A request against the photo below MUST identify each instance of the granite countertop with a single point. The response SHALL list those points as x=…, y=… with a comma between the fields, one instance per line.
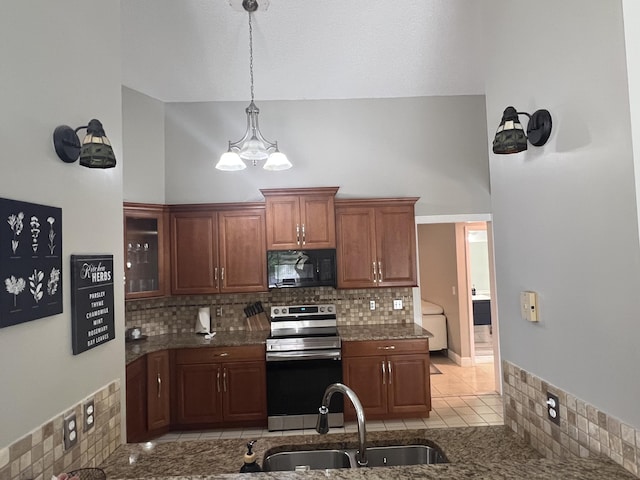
x=473, y=452
x=138, y=348
x=394, y=331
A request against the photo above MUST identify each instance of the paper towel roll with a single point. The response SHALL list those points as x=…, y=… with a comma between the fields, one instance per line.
x=203, y=324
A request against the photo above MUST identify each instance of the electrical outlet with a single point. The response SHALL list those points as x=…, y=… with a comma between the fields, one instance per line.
x=89, y=415
x=218, y=311
x=553, y=408
x=70, y=436
x=372, y=304
x=397, y=304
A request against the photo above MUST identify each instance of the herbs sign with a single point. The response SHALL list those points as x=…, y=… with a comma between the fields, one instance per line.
x=92, y=321
x=30, y=261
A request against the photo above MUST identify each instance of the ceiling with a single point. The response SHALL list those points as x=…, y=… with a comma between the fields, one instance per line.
x=198, y=50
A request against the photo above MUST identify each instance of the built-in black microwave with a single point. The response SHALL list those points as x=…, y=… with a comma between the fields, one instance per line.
x=301, y=268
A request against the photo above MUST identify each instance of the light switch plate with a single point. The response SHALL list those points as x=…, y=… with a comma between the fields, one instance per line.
x=397, y=304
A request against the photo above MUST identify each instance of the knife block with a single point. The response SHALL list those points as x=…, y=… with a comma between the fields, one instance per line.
x=257, y=322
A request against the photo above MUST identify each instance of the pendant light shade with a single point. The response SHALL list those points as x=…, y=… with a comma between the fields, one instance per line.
x=252, y=147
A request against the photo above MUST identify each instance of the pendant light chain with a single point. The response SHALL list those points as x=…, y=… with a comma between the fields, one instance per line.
x=251, y=55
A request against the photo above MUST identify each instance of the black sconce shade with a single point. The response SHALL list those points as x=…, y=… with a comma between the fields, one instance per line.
x=510, y=136
x=95, y=150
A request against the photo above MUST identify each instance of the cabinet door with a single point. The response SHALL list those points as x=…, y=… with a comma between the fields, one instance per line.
x=158, y=390
x=283, y=212
x=193, y=253
x=146, y=250
x=136, y=401
x=317, y=216
x=198, y=393
x=396, y=246
x=367, y=377
x=243, y=256
x=356, y=253
x=408, y=385
x=245, y=392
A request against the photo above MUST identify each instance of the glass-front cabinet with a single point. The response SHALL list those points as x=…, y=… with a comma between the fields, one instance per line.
x=146, y=250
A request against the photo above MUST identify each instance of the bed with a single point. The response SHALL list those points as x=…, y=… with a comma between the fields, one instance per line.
x=434, y=320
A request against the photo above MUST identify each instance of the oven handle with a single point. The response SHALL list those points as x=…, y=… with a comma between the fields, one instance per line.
x=308, y=355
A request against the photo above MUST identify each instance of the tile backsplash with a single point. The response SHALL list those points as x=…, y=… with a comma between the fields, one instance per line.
x=41, y=454
x=177, y=314
x=583, y=431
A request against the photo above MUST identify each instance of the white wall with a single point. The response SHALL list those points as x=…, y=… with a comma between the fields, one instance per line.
x=143, y=147
x=631, y=14
x=565, y=219
x=431, y=147
x=48, y=52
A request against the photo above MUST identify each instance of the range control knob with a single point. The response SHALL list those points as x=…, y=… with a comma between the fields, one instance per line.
x=284, y=311
x=321, y=309
x=276, y=311
x=329, y=309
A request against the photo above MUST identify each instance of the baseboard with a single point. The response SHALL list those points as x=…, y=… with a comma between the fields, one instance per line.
x=462, y=361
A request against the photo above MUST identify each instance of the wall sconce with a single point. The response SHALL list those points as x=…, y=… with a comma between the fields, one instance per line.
x=95, y=150
x=510, y=137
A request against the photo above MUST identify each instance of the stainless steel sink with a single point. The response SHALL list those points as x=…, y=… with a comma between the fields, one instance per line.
x=306, y=460
x=377, y=457
x=404, y=455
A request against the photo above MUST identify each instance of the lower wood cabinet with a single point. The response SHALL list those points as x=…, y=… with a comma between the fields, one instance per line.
x=137, y=400
x=148, y=396
x=391, y=378
x=158, y=391
x=220, y=387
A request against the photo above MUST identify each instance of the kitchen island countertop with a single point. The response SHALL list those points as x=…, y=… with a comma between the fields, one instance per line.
x=474, y=452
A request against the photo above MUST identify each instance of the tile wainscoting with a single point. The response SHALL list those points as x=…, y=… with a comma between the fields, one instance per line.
x=583, y=431
x=177, y=314
x=40, y=454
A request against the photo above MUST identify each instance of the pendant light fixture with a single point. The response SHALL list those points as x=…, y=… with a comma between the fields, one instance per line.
x=252, y=147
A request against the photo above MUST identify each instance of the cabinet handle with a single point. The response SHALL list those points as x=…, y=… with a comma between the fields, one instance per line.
x=387, y=347
x=218, y=380
x=390, y=371
x=379, y=272
x=304, y=236
x=215, y=276
x=222, y=275
x=159, y=384
x=375, y=273
x=224, y=380
x=384, y=372
x=223, y=354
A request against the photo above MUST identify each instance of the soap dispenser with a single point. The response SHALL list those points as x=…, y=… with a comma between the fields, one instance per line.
x=250, y=464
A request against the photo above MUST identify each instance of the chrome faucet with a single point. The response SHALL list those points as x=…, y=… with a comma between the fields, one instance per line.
x=323, y=418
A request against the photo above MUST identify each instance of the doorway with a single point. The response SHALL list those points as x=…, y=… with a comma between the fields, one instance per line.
x=455, y=255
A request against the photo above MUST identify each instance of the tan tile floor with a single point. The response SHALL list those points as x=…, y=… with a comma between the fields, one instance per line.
x=461, y=396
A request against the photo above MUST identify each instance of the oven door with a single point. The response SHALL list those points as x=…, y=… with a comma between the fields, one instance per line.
x=295, y=388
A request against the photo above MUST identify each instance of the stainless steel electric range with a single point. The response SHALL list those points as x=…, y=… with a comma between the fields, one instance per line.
x=303, y=357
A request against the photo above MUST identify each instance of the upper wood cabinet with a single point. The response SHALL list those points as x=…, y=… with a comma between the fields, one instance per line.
x=146, y=235
x=376, y=243
x=218, y=249
x=300, y=218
